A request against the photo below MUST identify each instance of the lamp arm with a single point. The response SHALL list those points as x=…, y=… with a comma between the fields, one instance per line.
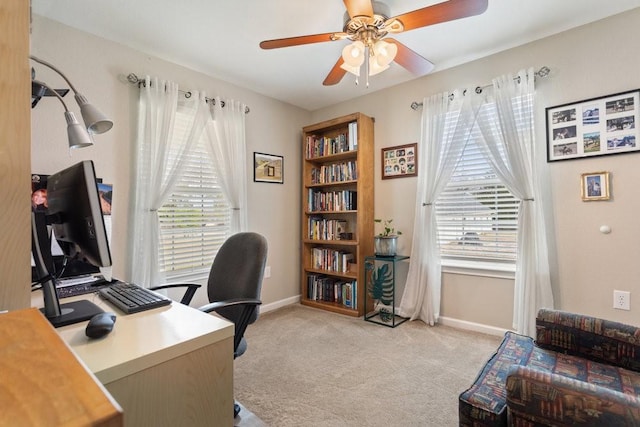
x=54, y=92
x=46, y=64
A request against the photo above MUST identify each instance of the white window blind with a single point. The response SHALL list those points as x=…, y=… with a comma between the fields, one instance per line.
x=477, y=216
x=195, y=220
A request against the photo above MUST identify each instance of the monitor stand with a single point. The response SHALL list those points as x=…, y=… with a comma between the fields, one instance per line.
x=74, y=312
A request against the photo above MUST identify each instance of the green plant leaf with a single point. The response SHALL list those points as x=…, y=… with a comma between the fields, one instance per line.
x=380, y=287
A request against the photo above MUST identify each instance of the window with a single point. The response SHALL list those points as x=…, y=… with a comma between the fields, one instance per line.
x=477, y=216
x=195, y=220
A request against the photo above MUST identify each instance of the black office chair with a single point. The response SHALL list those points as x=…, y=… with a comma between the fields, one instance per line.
x=234, y=285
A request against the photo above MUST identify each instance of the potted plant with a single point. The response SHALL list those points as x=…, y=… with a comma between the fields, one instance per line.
x=386, y=242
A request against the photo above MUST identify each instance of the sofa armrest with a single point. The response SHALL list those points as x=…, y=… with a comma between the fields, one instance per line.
x=542, y=398
x=596, y=339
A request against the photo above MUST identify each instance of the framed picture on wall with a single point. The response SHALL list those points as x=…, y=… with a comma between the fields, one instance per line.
x=594, y=127
x=400, y=161
x=268, y=168
x=595, y=186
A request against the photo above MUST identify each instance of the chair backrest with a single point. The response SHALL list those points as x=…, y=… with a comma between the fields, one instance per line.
x=237, y=272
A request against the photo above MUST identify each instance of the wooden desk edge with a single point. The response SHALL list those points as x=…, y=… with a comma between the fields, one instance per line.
x=43, y=381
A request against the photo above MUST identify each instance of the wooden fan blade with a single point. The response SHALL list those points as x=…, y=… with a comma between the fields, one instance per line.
x=336, y=74
x=295, y=41
x=442, y=12
x=359, y=8
x=411, y=60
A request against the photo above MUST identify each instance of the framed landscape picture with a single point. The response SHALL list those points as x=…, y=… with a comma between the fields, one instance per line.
x=268, y=168
x=400, y=161
x=593, y=127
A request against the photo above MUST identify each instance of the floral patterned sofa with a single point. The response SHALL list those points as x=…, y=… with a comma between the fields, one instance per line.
x=580, y=370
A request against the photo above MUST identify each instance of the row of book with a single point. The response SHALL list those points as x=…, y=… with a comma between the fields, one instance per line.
x=323, y=288
x=344, y=200
x=330, y=260
x=336, y=172
x=325, y=146
x=326, y=229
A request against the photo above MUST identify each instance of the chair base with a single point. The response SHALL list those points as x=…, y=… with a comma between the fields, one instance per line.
x=236, y=409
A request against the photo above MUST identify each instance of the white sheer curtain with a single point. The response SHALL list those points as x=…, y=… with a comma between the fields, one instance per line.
x=446, y=124
x=157, y=168
x=509, y=145
x=227, y=147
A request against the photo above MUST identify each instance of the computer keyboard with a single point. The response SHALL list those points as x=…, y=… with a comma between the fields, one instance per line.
x=132, y=298
x=72, y=286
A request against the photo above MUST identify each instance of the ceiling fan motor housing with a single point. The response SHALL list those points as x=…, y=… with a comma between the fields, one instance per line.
x=367, y=29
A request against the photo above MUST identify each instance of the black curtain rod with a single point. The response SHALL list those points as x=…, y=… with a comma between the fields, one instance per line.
x=133, y=79
x=542, y=72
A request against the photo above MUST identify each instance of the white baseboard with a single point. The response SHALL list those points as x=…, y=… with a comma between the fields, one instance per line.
x=471, y=326
x=265, y=308
x=446, y=321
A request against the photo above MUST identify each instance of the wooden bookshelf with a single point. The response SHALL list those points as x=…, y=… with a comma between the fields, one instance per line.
x=337, y=197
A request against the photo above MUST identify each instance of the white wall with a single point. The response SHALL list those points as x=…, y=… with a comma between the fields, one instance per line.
x=97, y=68
x=595, y=60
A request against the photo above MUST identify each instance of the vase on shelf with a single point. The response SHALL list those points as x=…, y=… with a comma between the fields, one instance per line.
x=385, y=245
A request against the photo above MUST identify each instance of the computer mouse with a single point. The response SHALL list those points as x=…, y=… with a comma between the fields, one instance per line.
x=100, y=325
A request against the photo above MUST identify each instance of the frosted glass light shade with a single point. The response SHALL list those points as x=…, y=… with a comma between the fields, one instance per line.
x=353, y=70
x=353, y=54
x=375, y=67
x=384, y=52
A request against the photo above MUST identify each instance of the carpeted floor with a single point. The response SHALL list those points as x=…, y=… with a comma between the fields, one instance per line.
x=307, y=367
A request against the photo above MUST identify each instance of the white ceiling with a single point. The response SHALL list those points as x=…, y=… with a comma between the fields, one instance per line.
x=220, y=37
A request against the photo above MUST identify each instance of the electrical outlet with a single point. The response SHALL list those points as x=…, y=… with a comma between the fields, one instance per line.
x=267, y=272
x=622, y=300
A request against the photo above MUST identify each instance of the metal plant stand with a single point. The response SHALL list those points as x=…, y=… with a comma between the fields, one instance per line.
x=380, y=296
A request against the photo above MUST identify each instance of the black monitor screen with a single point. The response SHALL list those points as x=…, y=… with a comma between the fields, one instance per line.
x=75, y=208
x=75, y=215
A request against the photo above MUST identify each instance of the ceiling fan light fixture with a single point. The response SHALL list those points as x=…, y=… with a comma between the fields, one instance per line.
x=384, y=52
x=351, y=69
x=375, y=67
x=353, y=54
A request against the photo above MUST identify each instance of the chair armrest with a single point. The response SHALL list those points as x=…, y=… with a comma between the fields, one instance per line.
x=538, y=396
x=188, y=294
x=215, y=306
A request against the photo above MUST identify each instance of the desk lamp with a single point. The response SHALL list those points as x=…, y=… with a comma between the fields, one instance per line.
x=95, y=121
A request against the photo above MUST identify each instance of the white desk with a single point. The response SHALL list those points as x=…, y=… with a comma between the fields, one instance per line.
x=168, y=366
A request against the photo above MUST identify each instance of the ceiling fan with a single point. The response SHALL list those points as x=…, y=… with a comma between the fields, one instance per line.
x=367, y=23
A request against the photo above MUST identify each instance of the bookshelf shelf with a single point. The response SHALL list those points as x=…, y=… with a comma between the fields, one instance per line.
x=337, y=200
x=330, y=242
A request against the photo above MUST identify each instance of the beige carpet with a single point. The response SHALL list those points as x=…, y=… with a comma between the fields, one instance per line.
x=307, y=367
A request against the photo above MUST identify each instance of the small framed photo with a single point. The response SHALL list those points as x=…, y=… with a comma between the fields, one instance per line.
x=268, y=168
x=594, y=127
x=595, y=186
x=400, y=161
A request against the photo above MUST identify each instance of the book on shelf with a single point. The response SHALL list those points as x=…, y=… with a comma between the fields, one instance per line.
x=326, y=229
x=353, y=136
x=327, y=289
x=330, y=260
x=335, y=173
x=326, y=146
x=344, y=200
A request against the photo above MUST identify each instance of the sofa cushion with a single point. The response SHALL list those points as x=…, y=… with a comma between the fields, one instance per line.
x=536, y=398
x=600, y=340
x=484, y=403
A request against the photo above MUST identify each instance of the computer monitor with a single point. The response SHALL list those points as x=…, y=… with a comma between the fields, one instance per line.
x=75, y=215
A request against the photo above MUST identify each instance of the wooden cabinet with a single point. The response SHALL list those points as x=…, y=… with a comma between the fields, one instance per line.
x=337, y=212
